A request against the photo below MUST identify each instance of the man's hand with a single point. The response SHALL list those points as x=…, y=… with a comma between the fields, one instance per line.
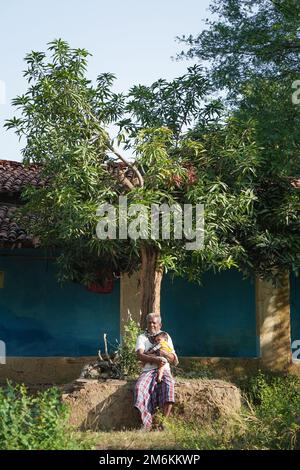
x=169, y=356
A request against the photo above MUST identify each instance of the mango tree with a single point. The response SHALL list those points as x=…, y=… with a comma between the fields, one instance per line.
x=65, y=118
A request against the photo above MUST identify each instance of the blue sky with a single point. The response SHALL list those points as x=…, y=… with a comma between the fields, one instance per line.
x=133, y=39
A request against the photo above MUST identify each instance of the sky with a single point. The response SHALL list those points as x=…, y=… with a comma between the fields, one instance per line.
x=134, y=39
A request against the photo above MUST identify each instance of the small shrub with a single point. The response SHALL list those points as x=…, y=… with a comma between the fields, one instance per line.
x=126, y=358
x=35, y=422
x=276, y=404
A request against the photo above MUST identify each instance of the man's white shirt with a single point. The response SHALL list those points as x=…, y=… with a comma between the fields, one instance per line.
x=144, y=344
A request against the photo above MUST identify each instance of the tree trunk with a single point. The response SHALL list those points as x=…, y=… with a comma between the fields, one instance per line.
x=150, y=279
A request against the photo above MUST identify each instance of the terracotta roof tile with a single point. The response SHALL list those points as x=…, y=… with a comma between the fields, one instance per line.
x=14, y=176
x=10, y=231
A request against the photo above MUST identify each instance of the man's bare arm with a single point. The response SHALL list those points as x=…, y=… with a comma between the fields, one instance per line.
x=172, y=358
x=146, y=359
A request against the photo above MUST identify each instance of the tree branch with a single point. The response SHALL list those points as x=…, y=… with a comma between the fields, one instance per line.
x=130, y=165
x=121, y=157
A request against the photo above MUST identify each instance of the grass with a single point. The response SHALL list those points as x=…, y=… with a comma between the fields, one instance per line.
x=136, y=439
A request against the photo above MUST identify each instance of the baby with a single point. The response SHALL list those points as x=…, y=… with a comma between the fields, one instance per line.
x=160, y=344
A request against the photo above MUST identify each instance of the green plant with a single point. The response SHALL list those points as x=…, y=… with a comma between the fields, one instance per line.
x=194, y=370
x=126, y=358
x=276, y=404
x=270, y=419
x=35, y=422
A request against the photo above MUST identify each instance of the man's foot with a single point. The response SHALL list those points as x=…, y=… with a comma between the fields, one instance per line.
x=144, y=429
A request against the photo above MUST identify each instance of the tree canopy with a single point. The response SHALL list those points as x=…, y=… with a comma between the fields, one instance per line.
x=63, y=118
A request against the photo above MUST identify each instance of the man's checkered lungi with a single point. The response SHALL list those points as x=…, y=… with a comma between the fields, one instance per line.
x=149, y=394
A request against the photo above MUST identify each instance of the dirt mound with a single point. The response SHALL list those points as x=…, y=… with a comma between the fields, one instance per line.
x=108, y=404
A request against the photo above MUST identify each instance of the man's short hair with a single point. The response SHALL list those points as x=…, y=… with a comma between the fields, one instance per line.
x=150, y=315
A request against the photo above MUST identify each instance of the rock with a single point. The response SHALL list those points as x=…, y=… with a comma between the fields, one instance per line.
x=100, y=370
x=206, y=399
x=108, y=404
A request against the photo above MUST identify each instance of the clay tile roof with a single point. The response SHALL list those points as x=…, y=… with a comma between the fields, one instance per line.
x=14, y=176
x=10, y=231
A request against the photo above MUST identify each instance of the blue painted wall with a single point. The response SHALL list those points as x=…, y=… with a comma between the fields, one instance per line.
x=295, y=307
x=215, y=319
x=40, y=318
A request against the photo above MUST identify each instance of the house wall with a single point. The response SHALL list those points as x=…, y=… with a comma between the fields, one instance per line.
x=216, y=319
x=51, y=331
x=230, y=325
x=39, y=318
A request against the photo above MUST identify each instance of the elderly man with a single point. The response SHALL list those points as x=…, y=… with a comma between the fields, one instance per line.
x=148, y=393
